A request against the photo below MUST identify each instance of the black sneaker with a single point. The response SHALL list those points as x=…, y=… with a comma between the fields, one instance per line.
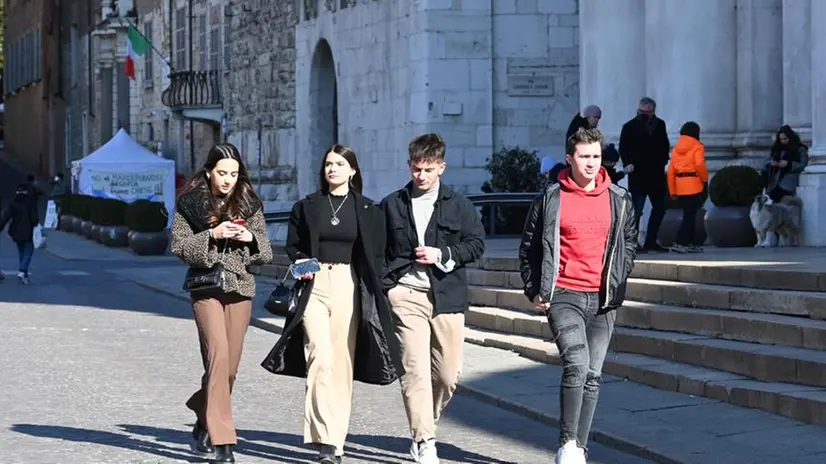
x=327, y=455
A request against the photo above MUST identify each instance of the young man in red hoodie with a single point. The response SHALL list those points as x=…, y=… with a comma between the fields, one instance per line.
x=577, y=249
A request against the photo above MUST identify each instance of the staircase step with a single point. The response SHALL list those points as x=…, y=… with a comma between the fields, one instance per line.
x=798, y=402
x=768, y=329
x=769, y=363
x=792, y=303
x=784, y=270
x=773, y=329
x=771, y=276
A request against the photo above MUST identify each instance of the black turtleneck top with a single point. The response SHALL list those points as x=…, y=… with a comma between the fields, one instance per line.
x=335, y=243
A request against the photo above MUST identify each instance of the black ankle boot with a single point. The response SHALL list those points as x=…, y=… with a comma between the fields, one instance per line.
x=327, y=455
x=223, y=453
x=202, y=443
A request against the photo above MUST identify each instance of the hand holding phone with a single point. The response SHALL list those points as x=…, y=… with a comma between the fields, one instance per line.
x=304, y=269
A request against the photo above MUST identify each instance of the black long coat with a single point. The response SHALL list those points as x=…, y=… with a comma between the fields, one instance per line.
x=377, y=359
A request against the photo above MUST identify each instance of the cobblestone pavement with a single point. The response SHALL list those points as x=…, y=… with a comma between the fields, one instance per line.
x=96, y=369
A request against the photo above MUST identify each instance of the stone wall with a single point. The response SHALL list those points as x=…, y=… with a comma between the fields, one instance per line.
x=536, y=73
x=261, y=86
x=453, y=67
x=368, y=51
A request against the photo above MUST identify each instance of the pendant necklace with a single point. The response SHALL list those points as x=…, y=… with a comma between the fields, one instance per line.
x=334, y=220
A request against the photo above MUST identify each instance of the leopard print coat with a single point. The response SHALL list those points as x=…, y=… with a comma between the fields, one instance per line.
x=191, y=243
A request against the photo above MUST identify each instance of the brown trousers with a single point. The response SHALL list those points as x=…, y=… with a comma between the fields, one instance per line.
x=330, y=330
x=432, y=354
x=222, y=324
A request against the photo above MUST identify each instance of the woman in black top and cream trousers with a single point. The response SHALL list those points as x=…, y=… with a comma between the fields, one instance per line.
x=342, y=310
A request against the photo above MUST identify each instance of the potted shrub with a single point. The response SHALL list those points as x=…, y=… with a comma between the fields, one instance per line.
x=85, y=214
x=147, y=221
x=511, y=170
x=76, y=205
x=65, y=220
x=674, y=216
x=96, y=217
x=113, y=231
x=732, y=191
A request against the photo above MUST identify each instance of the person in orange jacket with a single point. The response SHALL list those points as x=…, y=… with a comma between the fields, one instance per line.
x=687, y=176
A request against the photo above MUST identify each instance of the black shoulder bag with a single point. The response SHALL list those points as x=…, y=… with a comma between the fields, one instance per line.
x=283, y=301
x=206, y=283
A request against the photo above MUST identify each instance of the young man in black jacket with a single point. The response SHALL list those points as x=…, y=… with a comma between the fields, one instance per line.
x=433, y=232
x=577, y=250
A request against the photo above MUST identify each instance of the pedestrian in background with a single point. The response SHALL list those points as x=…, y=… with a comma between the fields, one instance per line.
x=219, y=220
x=21, y=216
x=341, y=330
x=687, y=177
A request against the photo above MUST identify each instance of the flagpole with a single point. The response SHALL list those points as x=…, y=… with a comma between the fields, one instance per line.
x=171, y=69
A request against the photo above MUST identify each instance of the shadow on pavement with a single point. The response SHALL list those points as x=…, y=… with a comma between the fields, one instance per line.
x=168, y=443
x=112, y=439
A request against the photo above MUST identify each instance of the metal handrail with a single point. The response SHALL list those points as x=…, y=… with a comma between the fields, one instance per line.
x=485, y=200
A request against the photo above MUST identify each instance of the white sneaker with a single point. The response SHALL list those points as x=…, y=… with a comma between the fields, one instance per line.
x=570, y=453
x=425, y=452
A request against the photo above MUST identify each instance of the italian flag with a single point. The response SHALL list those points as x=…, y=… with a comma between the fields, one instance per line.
x=135, y=47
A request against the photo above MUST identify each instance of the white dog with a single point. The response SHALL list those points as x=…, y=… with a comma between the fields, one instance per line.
x=776, y=224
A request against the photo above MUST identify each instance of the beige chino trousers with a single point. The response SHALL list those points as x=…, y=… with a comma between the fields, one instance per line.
x=432, y=356
x=330, y=328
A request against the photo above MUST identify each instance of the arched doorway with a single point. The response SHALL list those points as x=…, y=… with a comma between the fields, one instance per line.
x=323, y=105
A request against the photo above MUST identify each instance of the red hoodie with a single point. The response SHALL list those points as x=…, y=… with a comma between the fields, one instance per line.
x=584, y=226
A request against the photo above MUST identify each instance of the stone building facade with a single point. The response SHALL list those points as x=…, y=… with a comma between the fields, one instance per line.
x=79, y=77
x=260, y=95
x=740, y=68
x=33, y=101
x=372, y=74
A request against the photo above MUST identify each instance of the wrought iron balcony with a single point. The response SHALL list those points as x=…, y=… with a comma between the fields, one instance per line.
x=193, y=90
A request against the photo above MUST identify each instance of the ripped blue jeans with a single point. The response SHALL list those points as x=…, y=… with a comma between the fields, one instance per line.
x=582, y=337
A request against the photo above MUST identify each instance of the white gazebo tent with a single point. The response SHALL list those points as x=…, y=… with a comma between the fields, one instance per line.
x=125, y=170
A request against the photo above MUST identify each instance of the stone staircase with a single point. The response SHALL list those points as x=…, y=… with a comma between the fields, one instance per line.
x=750, y=336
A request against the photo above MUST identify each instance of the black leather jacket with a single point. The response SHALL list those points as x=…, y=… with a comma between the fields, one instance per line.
x=539, y=249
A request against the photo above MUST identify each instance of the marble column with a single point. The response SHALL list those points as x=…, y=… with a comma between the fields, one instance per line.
x=759, y=70
x=691, y=57
x=797, y=67
x=612, y=60
x=812, y=188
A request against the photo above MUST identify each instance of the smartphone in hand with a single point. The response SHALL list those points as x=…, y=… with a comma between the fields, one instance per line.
x=239, y=222
x=304, y=266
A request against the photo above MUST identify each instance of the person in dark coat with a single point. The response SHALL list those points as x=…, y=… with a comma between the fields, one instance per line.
x=644, y=148
x=342, y=312
x=21, y=216
x=589, y=119
x=610, y=157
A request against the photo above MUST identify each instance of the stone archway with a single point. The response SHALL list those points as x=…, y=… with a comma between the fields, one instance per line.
x=323, y=105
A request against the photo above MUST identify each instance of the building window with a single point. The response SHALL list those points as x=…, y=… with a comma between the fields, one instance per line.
x=38, y=60
x=227, y=23
x=215, y=48
x=73, y=71
x=180, y=39
x=148, y=58
x=202, y=41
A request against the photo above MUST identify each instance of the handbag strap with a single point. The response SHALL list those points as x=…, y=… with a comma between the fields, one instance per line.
x=223, y=251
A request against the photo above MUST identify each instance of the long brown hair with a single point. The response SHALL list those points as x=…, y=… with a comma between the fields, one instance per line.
x=240, y=203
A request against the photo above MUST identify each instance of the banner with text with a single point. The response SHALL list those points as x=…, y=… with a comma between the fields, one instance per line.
x=129, y=186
